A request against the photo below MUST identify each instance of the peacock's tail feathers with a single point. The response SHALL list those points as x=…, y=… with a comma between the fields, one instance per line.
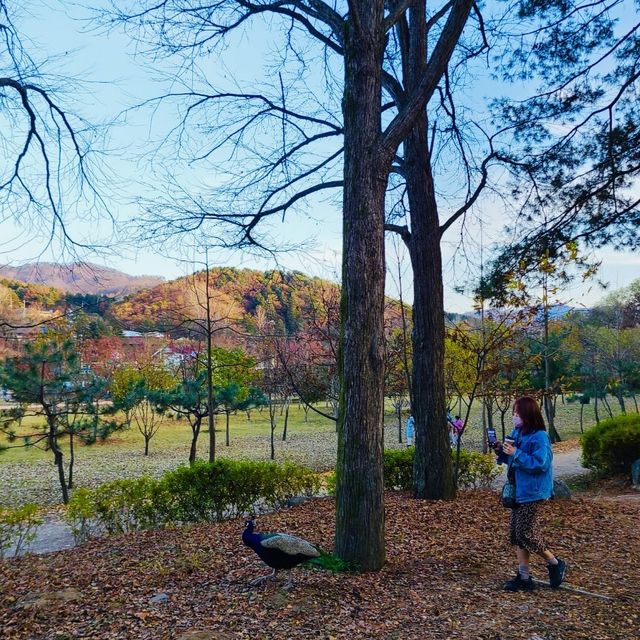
x=329, y=562
x=291, y=545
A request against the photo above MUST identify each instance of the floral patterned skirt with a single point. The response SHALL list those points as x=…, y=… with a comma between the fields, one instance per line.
x=525, y=527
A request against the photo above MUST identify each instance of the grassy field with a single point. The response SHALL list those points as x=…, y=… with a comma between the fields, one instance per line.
x=28, y=474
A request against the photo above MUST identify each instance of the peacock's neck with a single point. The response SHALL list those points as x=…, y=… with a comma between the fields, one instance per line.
x=248, y=535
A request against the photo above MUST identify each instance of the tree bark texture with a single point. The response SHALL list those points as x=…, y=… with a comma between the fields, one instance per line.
x=432, y=461
x=360, y=491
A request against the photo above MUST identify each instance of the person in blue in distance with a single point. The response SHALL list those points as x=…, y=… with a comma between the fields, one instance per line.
x=410, y=431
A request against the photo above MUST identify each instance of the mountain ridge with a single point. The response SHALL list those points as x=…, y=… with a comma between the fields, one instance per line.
x=80, y=278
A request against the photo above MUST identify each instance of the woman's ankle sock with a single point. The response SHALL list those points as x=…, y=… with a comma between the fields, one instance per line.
x=523, y=570
x=553, y=561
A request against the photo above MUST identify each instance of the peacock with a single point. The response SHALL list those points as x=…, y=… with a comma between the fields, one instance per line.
x=278, y=550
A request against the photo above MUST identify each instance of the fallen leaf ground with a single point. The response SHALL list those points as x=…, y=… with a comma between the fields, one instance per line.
x=442, y=579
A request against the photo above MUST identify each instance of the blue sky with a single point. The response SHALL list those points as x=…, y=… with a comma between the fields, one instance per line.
x=110, y=80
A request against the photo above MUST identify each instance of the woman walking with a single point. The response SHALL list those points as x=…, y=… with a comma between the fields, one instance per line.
x=529, y=457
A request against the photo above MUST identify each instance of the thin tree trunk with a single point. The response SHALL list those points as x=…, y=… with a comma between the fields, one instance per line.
x=95, y=422
x=195, y=429
x=146, y=444
x=72, y=458
x=581, y=418
x=57, y=456
x=405, y=349
x=607, y=406
x=360, y=491
x=547, y=400
x=595, y=408
x=286, y=423
x=272, y=426
x=227, y=438
x=503, y=427
x=621, y=402
x=60, y=465
x=210, y=416
x=456, y=471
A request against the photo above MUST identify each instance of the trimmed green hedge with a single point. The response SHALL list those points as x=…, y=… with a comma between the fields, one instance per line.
x=203, y=492
x=477, y=470
x=613, y=445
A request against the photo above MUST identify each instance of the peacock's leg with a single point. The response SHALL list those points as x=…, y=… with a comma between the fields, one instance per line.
x=289, y=583
x=257, y=581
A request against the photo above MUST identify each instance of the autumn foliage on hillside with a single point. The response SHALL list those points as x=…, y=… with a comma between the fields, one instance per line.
x=291, y=300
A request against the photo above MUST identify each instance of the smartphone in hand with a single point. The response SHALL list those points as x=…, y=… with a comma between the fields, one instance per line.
x=491, y=437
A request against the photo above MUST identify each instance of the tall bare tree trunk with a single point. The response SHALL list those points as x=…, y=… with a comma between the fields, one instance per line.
x=432, y=462
x=360, y=491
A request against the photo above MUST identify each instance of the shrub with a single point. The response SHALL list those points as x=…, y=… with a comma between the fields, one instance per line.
x=202, y=492
x=118, y=507
x=330, y=483
x=81, y=515
x=130, y=505
x=613, y=445
x=398, y=469
x=18, y=527
x=227, y=488
x=477, y=470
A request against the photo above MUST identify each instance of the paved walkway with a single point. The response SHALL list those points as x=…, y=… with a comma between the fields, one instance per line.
x=565, y=465
x=55, y=534
x=568, y=464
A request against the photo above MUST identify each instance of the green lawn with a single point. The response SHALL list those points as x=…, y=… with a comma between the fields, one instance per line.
x=28, y=474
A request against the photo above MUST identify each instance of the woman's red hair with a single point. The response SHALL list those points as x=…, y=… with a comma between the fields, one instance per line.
x=528, y=409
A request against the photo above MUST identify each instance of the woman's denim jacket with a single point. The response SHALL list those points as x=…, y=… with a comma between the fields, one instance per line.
x=532, y=463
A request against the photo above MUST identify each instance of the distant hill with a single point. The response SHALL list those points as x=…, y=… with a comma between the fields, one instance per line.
x=289, y=298
x=80, y=278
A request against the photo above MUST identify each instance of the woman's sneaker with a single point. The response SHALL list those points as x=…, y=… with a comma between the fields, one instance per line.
x=519, y=584
x=557, y=573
